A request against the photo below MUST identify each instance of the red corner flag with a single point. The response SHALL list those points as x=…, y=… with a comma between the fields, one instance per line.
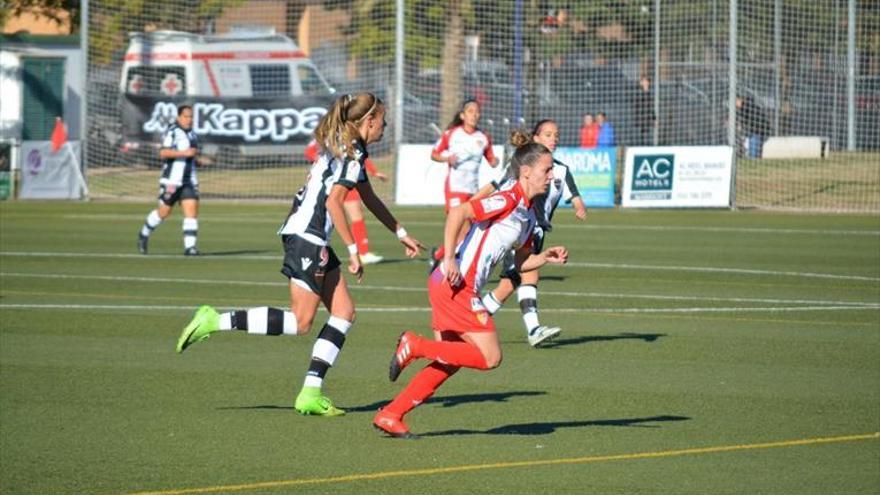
x=59, y=135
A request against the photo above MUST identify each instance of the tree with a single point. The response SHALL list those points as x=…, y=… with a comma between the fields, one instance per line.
x=47, y=9
x=111, y=20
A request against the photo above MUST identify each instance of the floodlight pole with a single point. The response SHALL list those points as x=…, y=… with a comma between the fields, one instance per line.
x=731, y=99
x=517, y=60
x=83, y=101
x=398, y=75
x=851, y=77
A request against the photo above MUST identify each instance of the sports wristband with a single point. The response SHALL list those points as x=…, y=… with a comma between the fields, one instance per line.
x=401, y=233
x=353, y=249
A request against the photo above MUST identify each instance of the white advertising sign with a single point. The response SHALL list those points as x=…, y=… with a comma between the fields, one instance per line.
x=420, y=180
x=47, y=174
x=677, y=176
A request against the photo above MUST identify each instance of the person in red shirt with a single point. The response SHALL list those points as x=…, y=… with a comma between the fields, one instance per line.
x=464, y=333
x=589, y=132
x=352, y=206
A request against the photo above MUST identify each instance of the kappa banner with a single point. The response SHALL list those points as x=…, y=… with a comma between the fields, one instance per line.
x=227, y=120
x=677, y=176
x=420, y=180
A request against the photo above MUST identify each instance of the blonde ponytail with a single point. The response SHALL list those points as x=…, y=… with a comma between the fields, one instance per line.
x=338, y=128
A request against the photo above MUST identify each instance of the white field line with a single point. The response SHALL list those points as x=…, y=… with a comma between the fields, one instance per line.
x=388, y=288
x=427, y=223
x=614, y=266
x=744, y=271
x=423, y=309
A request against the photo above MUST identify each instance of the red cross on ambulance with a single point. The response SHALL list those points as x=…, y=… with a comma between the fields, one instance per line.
x=171, y=84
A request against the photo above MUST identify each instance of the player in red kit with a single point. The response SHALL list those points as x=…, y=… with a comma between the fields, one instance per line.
x=464, y=332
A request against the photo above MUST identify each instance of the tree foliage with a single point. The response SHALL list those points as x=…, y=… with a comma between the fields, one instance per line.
x=46, y=9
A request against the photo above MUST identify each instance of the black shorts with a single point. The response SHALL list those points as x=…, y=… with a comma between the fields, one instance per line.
x=306, y=262
x=508, y=264
x=170, y=194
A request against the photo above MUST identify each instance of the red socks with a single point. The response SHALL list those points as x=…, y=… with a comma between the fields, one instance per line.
x=459, y=354
x=359, y=231
x=420, y=388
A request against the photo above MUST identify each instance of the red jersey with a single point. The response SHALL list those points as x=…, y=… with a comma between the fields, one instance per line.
x=502, y=221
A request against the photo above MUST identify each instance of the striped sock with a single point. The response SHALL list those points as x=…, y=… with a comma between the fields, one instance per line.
x=326, y=350
x=190, y=232
x=153, y=220
x=528, y=303
x=260, y=321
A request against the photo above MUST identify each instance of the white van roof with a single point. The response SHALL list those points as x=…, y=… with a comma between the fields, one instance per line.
x=241, y=42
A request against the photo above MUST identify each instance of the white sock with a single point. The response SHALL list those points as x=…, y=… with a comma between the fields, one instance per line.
x=528, y=303
x=190, y=232
x=153, y=220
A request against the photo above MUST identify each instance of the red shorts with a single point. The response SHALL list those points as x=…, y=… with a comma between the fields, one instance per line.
x=352, y=195
x=459, y=310
x=454, y=199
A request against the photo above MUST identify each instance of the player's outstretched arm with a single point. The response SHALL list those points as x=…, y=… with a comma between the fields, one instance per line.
x=375, y=204
x=556, y=255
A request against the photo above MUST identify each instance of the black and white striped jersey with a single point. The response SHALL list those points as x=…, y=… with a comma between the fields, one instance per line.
x=179, y=171
x=545, y=204
x=309, y=217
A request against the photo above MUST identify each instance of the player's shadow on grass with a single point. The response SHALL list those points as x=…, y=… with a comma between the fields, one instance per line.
x=551, y=427
x=239, y=252
x=586, y=339
x=453, y=400
x=446, y=401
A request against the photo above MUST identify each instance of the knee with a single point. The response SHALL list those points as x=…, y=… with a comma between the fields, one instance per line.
x=493, y=360
x=304, y=324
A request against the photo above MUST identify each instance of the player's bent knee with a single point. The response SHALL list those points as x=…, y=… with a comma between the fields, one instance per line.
x=493, y=361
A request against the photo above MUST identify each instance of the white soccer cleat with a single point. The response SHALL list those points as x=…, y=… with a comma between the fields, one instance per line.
x=542, y=333
x=371, y=258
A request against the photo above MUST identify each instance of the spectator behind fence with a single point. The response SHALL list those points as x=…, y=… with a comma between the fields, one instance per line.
x=752, y=126
x=645, y=117
x=589, y=131
x=606, y=131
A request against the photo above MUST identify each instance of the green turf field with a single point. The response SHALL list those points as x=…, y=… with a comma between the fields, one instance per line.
x=703, y=352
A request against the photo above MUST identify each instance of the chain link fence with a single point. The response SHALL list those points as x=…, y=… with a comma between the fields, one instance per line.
x=660, y=71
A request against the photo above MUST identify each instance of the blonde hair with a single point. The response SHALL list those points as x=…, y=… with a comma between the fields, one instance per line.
x=339, y=126
x=526, y=154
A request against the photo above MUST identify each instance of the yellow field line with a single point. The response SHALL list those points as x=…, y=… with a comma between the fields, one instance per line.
x=504, y=465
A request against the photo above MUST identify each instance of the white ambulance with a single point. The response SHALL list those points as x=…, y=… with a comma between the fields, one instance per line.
x=244, y=63
x=241, y=85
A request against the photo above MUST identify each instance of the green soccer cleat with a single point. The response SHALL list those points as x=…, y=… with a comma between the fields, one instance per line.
x=311, y=401
x=206, y=321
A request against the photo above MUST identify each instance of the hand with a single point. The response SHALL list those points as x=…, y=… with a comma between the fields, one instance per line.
x=451, y=159
x=412, y=246
x=355, y=267
x=381, y=176
x=453, y=275
x=556, y=255
x=580, y=213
